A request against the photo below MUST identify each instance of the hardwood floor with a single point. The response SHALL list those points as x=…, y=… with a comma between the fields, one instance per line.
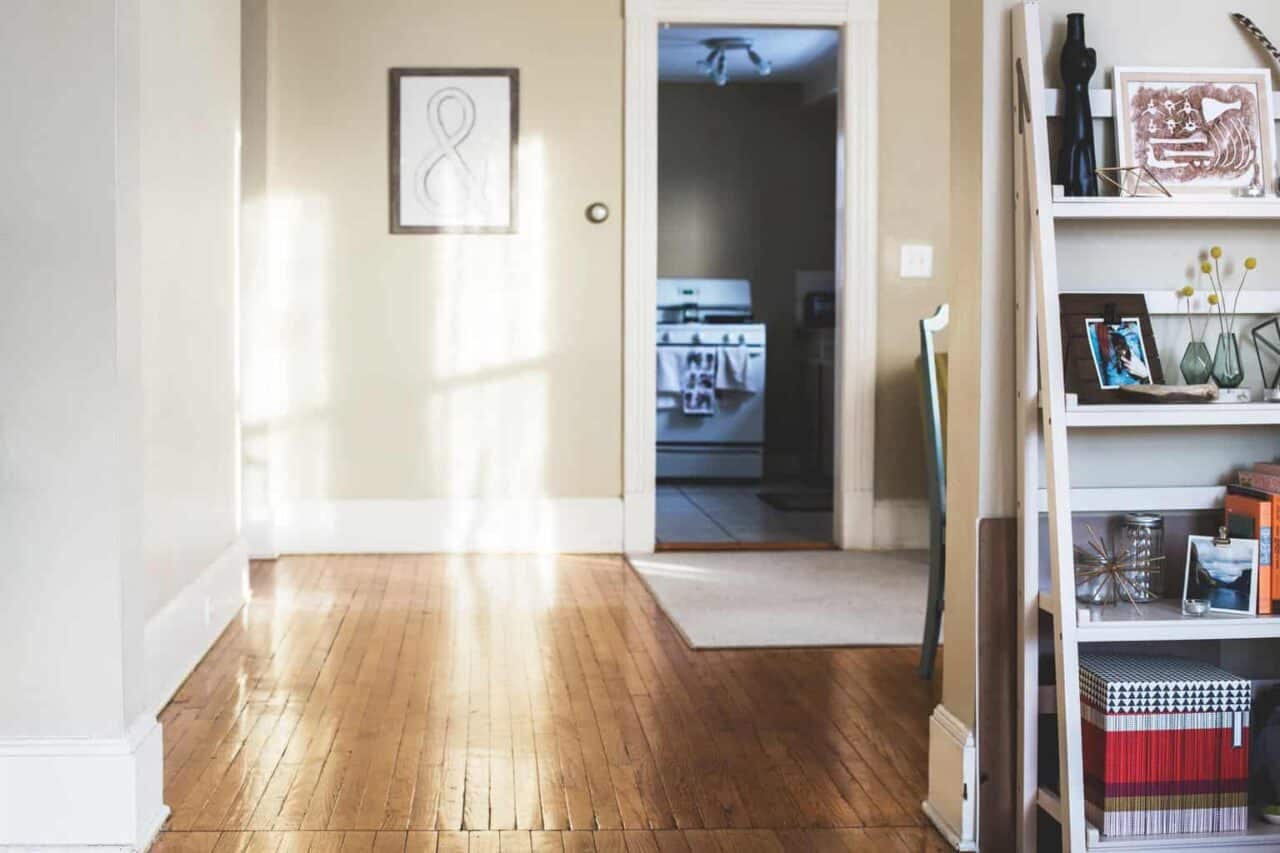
x=411, y=704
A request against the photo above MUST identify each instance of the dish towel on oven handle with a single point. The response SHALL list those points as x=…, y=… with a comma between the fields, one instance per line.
x=734, y=370
x=699, y=381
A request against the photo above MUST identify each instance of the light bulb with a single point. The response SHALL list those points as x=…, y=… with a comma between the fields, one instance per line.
x=763, y=68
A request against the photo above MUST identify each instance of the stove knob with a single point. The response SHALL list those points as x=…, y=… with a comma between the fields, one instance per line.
x=742, y=339
x=666, y=337
x=726, y=339
x=697, y=339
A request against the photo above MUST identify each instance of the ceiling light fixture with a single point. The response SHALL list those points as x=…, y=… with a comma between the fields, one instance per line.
x=716, y=63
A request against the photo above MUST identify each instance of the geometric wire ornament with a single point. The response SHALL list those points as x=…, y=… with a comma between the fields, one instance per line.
x=1272, y=346
x=1133, y=182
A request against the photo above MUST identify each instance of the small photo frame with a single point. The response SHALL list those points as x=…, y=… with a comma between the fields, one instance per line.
x=1086, y=346
x=1119, y=353
x=1198, y=130
x=1224, y=572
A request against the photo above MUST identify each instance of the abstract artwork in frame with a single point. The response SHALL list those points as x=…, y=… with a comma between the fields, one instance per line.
x=1198, y=131
x=454, y=135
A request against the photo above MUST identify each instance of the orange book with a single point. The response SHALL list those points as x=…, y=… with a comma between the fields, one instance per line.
x=1250, y=514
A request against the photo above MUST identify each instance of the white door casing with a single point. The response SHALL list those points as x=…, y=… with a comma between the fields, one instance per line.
x=856, y=274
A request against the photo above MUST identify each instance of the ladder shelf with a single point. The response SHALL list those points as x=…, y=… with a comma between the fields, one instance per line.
x=1047, y=419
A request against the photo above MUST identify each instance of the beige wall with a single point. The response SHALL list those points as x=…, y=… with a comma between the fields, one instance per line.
x=915, y=181
x=190, y=107
x=746, y=189
x=415, y=367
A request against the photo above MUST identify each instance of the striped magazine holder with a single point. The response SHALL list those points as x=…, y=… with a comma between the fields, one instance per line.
x=1166, y=745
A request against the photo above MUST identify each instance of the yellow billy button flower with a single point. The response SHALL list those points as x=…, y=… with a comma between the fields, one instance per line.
x=1206, y=267
x=1213, y=298
x=1188, y=291
x=1251, y=263
x=1216, y=252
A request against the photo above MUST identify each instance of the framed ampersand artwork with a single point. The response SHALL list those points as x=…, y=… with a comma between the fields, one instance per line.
x=454, y=134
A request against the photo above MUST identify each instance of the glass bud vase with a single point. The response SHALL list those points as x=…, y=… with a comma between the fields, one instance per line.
x=1196, y=364
x=1228, y=371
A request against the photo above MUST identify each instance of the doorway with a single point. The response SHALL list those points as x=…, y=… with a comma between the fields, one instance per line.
x=747, y=132
x=850, y=283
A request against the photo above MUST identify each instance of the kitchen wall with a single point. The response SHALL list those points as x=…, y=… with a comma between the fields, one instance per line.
x=746, y=189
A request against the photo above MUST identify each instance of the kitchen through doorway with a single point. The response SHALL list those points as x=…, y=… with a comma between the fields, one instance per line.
x=746, y=293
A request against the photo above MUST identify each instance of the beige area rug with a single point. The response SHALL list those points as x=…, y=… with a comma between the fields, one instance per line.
x=729, y=600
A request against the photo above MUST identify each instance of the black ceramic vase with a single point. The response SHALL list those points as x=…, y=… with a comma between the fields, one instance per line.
x=1077, y=161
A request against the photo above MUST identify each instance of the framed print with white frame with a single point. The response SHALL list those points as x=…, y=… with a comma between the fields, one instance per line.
x=454, y=134
x=1199, y=131
x=1224, y=572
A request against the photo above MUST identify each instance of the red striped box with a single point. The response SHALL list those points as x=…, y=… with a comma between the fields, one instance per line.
x=1166, y=745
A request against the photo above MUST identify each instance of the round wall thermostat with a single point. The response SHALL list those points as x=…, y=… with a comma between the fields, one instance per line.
x=597, y=212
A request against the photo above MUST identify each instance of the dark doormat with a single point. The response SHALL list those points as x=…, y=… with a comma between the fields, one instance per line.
x=798, y=501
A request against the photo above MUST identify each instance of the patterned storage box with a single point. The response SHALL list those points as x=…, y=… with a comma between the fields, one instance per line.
x=1166, y=745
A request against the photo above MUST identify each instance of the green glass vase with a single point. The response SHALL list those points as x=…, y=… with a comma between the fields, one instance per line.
x=1196, y=364
x=1228, y=372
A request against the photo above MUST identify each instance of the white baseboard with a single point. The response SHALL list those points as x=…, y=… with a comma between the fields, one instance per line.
x=451, y=525
x=260, y=535
x=179, y=635
x=82, y=794
x=901, y=523
x=953, y=792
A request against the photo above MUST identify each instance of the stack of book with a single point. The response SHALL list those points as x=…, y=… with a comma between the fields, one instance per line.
x=1253, y=512
x=1166, y=745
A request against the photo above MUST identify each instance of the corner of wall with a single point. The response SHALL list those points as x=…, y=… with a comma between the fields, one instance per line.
x=183, y=631
x=951, y=804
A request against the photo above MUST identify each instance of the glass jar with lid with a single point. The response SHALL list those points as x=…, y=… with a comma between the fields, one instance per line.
x=1142, y=547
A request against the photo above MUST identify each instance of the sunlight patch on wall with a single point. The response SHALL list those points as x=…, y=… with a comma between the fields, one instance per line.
x=486, y=415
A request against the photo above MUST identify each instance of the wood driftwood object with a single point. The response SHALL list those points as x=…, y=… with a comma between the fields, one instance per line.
x=1207, y=393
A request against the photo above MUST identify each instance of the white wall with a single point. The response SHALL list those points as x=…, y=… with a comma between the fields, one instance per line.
x=74, y=726
x=190, y=121
x=69, y=381
x=196, y=569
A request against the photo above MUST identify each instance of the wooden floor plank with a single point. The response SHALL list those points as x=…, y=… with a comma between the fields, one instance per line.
x=429, y=704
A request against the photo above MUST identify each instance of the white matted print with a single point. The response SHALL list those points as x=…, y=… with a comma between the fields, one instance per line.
x=453, y=150
x=1198, y=130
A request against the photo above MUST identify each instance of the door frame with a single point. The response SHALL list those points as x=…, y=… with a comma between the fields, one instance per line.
x=857, y=262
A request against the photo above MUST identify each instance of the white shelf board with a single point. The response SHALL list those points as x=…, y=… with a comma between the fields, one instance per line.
x=1084, y=416
x=1049, y=802
x=1259, y=835
x=1163, y=621
x=1166, y=208
x=1252, y=303
x=1102, y=103
x=1157, y=498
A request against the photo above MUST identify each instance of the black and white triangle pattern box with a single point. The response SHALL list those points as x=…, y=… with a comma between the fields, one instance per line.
x=1132, y=684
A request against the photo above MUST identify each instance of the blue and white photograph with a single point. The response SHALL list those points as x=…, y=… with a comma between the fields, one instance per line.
x=1222, y=571
x=1119, y=355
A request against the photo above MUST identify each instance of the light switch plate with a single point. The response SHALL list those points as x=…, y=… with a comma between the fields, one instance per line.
x=917, y=261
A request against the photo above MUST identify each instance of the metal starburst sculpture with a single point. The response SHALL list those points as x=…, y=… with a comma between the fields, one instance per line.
x=1110, y=569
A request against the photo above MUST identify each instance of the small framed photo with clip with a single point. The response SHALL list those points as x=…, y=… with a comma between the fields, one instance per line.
x=1221, y=575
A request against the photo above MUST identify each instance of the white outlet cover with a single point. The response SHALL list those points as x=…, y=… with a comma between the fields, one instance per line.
x=916, y=261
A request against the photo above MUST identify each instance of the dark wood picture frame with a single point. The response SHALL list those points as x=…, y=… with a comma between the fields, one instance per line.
x=394, y=77
x=1080, y=375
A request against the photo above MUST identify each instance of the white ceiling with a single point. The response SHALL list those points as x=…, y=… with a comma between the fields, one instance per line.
x=798, y=55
